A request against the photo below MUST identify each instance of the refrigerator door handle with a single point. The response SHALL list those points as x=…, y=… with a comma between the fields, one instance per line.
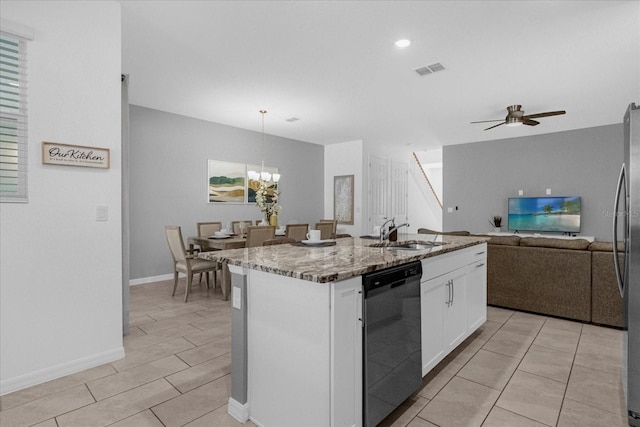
x=616, y=261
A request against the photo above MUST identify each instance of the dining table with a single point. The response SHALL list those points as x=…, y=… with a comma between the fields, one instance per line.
x=216, y=243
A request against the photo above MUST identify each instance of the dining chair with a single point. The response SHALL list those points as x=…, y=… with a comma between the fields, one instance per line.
x=206, y=229
x=326, y=230
x=278, y=241
x=257, y=234
x=236, y=226
x=334, y=224
x=297, y=232
x=184, y=262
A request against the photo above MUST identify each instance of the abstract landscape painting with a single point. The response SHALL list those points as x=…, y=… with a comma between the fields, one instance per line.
x=226, y=183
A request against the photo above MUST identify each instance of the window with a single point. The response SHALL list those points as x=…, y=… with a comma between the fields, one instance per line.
x=13, y=119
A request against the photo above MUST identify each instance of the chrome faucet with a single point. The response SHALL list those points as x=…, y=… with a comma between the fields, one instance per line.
x=391, y=230
x=383, y=235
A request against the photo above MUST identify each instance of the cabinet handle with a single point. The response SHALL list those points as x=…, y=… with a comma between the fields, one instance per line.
x=448, y=301
x=479, y=253
x=479, y=265
x=453, y=295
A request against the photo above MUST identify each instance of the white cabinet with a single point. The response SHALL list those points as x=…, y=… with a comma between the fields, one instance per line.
x=453, y=301
x=477, y=294
x=433, y=293
x=346, y=352
x=455, y=314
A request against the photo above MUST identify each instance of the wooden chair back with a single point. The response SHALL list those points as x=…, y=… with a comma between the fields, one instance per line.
x=206, y=229
x=326, y=230
x=297, y=232
x=235, y=226
x=176, y=244
x=257, y=234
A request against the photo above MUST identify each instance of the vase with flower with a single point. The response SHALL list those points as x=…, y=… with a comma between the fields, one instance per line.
x=267, y=201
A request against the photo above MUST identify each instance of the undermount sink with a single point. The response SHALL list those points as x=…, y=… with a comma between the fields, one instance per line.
x=412, y=245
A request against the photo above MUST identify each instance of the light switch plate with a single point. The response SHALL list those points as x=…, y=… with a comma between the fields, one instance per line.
x=548, y=191
x=520, y=192
x=102, y=213
x=450, y=210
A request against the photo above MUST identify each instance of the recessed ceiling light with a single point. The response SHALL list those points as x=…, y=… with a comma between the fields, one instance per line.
x=403, y=43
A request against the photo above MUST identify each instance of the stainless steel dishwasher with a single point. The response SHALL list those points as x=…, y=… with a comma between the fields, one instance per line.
x=392, y=355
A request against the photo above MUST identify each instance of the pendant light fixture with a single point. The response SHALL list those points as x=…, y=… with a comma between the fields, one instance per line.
x=263, y=176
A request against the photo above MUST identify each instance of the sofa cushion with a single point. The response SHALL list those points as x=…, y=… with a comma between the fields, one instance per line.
x=548, y=242
x=605, y=297
x=504, y=240
x=553, y=282
x=605, y=246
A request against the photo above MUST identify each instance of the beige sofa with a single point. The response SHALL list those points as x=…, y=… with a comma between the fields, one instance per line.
x=573, y=279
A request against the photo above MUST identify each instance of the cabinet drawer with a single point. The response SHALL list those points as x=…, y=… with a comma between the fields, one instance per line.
x=479, y=252
x=445, y=263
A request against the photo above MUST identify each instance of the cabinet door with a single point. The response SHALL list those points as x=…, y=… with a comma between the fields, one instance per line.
x=346, y=352
x=434, y=295
x=455, y=320
x=477, y=295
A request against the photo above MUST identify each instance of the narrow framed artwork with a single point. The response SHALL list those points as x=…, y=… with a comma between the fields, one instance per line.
x=226, y=182
x=54, y=153
x=252, y=185
x=343, y=199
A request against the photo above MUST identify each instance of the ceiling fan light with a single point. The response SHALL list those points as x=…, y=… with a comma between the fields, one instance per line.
x=513, y=121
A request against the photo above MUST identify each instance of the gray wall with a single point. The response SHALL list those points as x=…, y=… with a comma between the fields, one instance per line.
x=168, y=179
x=479, y=177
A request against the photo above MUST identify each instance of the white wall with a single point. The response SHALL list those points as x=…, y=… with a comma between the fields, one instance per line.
x=60, y=279
x=345, y=159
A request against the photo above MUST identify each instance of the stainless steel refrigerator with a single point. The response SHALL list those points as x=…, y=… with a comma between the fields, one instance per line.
x=626, y=233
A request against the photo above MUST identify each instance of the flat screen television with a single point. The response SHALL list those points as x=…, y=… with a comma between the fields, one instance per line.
x=551, y=214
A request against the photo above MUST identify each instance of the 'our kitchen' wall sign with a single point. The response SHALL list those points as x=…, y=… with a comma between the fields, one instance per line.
x=74, y=155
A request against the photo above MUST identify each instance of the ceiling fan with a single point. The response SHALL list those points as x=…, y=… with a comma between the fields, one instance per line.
x=516, y=117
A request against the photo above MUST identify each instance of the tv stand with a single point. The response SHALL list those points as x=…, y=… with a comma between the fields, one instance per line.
x=551, y=236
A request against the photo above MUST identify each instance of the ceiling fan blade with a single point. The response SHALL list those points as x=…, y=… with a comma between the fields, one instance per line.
x=529, y=122
x=487, y=121
x=495, y=126
x=547, y=114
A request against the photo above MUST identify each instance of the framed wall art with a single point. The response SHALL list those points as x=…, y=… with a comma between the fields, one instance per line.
x=252, y=186
x=343, y=199
x=226, y=182
x=54, y=153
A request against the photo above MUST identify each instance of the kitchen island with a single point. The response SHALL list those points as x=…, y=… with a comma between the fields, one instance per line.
x=297, y=321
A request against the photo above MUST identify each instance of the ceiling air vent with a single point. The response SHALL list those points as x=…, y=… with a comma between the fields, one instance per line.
x=293, y=119
x=423, y=71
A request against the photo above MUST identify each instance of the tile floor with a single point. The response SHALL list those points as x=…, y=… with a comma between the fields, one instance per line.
x=517, y=370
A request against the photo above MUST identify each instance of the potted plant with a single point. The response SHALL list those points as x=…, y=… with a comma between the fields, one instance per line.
x=496, y=221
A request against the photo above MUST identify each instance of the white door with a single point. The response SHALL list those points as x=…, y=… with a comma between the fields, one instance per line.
x=400, y=192
x=378, y=191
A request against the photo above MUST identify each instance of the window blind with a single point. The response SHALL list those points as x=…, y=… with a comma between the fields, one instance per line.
x=13, y=119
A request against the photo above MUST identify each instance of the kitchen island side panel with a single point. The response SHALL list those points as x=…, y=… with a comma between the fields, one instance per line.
x=289, y=350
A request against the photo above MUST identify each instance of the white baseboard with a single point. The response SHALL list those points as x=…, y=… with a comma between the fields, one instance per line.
x=151, y=279
x=238, y=410
x=58, y=371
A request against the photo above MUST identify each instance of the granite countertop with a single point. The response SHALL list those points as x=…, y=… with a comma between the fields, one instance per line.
x=351, y=256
